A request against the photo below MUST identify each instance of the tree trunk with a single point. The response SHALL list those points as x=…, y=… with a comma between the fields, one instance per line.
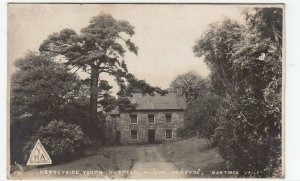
x=93, y=102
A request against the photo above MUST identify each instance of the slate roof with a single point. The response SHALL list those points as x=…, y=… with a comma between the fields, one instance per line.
x=170, y=101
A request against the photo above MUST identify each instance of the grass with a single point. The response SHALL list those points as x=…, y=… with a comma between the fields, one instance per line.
x=192, y=154
x=107, y=162
x=116, y=161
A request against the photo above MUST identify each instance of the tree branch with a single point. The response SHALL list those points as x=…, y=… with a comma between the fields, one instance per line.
x=76, y=69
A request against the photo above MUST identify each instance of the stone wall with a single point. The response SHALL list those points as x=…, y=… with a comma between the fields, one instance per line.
x=110, y=128
x=123, y=125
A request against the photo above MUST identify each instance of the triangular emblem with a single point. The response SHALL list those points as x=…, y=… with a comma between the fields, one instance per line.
x=39, y=155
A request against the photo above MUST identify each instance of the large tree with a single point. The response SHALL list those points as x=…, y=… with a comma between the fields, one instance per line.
x=246, y=64
x=40, y=88
x=201, y=104
x=40, y=92
x=98, y=49
x=191, y=83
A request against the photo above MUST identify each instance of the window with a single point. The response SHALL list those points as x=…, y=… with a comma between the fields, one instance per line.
x=169, y=134
x=168, y=117
x=133, y=119
x=134, y=134
x=150, y=118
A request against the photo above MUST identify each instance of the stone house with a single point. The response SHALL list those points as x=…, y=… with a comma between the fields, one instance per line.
x=155, y=119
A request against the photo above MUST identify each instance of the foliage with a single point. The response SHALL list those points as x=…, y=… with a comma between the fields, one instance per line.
x=40, y=91
x=99, y=49
x=201, y=104
x=62, y=141
x=76, y=111
x=246, y=64
x=216, y=45
x=192, y=83
x=200, y=115
x=135, y=85
x=266, y=22
x=40, y=87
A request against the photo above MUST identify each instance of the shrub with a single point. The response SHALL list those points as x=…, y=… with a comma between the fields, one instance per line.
x=246, y=139
x=62, y=141
x=186, y=133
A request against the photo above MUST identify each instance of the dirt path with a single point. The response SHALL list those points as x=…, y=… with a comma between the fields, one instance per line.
x=151, y=165
x=148, y=163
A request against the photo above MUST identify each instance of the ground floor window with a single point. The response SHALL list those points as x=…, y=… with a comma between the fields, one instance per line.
x=134, y=134
x=169, y=134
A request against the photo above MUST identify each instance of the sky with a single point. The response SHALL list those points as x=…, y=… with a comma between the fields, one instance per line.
x=165, y=34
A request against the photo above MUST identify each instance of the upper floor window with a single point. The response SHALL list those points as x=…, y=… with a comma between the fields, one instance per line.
x=169, y=134
x=134, y=134
x=133, y=119
x=150, y=118
x=168, y=117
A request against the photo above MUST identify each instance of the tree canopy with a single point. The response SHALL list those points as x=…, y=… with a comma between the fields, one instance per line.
x=41, y=90
x=199, y=116
x=246, y=65
x=39, y=87
x=99, y=48
x=192, y=83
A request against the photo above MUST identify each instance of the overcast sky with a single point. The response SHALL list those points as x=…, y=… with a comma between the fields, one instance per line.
x=165, y=34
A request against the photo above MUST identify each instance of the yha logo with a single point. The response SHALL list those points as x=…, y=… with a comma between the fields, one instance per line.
x=39, y=155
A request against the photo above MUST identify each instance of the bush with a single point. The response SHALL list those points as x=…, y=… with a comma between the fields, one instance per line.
x=63, y=142
x=245, y=137
x=186, y=133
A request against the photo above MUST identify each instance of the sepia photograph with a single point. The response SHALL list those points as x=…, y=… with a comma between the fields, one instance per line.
x=145, y=91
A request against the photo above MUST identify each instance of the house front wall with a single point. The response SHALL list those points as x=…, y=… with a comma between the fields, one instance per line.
x=160, y=125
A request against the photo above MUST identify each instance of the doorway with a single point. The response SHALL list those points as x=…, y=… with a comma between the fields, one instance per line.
x=151, y=135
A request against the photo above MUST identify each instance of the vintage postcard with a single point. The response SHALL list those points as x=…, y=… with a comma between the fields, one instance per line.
x=145, y=91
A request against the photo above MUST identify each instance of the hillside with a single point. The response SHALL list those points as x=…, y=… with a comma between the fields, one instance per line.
x=191, y=155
